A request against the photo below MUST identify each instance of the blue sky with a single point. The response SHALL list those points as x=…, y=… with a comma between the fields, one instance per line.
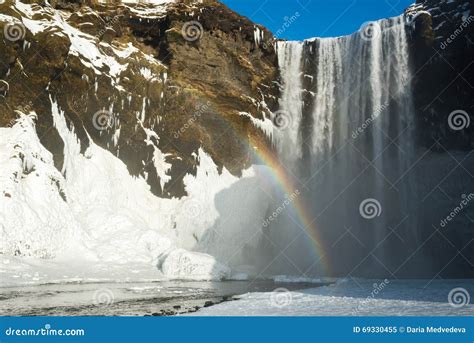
x=317, y=18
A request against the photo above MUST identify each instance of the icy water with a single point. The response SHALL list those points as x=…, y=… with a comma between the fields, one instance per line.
x=128, y=299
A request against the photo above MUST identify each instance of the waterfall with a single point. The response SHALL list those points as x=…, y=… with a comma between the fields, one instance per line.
x=289, y=116
x=350, y=143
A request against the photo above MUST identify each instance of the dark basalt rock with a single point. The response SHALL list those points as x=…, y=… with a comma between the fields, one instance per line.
x=443, y=51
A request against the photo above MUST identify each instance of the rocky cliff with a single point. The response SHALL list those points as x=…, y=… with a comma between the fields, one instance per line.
x=157, y=84
x=150, y=83
x=169, y=78
x=443, y=51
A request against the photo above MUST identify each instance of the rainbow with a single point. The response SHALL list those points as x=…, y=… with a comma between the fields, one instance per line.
x=305, y=220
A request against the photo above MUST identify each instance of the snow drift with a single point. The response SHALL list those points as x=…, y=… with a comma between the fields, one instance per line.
x=98, y=218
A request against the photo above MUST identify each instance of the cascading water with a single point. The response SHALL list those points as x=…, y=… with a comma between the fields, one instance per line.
x=291, y=106
x=350, y=146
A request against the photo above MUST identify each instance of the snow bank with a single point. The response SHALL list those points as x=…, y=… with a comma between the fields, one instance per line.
x=356, y=297
x=92, y=220
x=97, y=220
x=35, y=219
x=182, y=264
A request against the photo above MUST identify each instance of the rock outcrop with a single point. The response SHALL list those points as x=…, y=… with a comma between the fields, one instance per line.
x=443, y=51
x=156, y=84
x=150, y=83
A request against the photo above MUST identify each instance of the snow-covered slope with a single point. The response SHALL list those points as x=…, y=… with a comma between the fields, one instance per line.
x=96, y=212
x=95, y=181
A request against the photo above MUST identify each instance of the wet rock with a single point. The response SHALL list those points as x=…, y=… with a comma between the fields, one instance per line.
x=208, y=303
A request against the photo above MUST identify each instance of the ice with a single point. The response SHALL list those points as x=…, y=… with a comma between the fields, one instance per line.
x=265, y=124
x=295, y=279
x=94, y=221
x=182, y=264
x=356, y=297
x=34, y=218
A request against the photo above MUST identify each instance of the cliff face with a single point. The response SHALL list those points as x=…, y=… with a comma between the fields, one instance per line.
x=443, y=50
x=163, y=80
x=153, y=84
x=150, y=83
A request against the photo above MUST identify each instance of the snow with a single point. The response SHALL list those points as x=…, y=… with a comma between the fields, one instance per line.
x=85, y=47
x=101, y=57
x=296, y=279
x=258, y=35
x=159, y=158
x=265, y=124
x=34, y=219
x=154, y=9
x=34, y=26
x=355, y=297
x=184, y=265
x=94, y=221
